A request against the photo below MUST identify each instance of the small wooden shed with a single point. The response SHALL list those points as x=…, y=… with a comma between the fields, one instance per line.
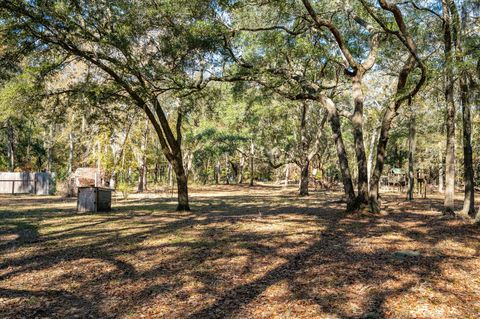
x=94, y=199
x=85, y=177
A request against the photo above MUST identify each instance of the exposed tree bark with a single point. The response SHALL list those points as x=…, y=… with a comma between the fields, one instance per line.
x=156, y=173
x=448, y=206
x=235, y=167
x=48, y=145
x=71, y=149
x=305, y=162
x=177, y=161
x=170, y=175
x=135, y=84
x=440, y=175
x=182, y=188
x=334, y=119
x=308, y=151
x=356, y=71
x=117, y=155
x=240, y=169
x=400, y=96
x=218, y=172
x=142, y=169
x=227, y=170
x=411, y=154
x=287, y=171
x=357, y=124
x=141, y=177
x=304, y=178
x=252, y=155
x=99, y=164
x=373, y=141
x=145, y=175
x=468, y=174
x=11, y=146
x=387, y=119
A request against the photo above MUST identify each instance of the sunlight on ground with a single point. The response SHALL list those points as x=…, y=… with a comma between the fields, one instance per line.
x=243, y=253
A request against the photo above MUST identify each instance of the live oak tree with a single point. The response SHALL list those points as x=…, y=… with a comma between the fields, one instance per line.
x=402, y=92
x=356, y=71
x=235, y=89
x=142, y=49
x=290, y=69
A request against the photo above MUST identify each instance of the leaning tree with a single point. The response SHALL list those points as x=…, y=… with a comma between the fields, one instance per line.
x=142, y=49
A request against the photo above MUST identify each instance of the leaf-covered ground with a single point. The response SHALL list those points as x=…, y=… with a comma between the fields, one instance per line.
x=242, y=252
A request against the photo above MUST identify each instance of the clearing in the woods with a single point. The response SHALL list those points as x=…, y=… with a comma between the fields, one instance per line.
x=242, y=252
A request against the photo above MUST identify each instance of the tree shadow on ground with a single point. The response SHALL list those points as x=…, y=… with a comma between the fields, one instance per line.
x=222, y=259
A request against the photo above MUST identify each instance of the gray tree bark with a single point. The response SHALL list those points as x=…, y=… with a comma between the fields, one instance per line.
x=440, y=176
x=11, y=146
x=357, y=123
x=468, y=175
x=240, y=169
x=218, y=172
x=373, y=140
x=334, y=119
x=304, y=178
x=71, y=149
x=287, y=171
x=448, y=206
x=252, y=154
x=400, y=95
x=411, y=155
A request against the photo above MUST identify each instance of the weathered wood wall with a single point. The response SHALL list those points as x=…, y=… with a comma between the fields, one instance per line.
x=94, y=199
x=26, y=183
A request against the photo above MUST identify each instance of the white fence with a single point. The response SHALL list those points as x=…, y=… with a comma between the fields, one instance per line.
x=26, y=183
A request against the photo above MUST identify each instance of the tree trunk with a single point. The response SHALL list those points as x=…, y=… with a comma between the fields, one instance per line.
x=303, y=189
x=252, y=153
x=234, y=166
x=287, y=171
x=411, y=154
x=218, y=171
x=145, y=175
x=334, y=119
x=141, y=176
x=49, y=144
x=170, y=175
x=155, y=173
x=449, y=208
x=99, y=165
x=113, y=180
x=71, y=150
x=357, y=124
x=304, y=144
x=182, y=186
x=380, y=159
x=240, y=169
x=142, y=179
x=440, y=176
x=469, y=198
x=373, y=140
x=11, y=146
x=227, y=171
x=387, y=119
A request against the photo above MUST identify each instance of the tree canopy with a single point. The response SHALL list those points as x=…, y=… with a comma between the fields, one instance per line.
x=336, y=92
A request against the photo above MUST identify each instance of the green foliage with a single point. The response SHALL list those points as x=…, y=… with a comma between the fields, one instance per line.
x=267, y=59
x=125, y=189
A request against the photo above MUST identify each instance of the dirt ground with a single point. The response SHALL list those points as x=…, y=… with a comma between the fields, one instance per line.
x=242, y=252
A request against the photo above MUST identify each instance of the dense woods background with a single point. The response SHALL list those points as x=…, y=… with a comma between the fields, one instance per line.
x=164, y=92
